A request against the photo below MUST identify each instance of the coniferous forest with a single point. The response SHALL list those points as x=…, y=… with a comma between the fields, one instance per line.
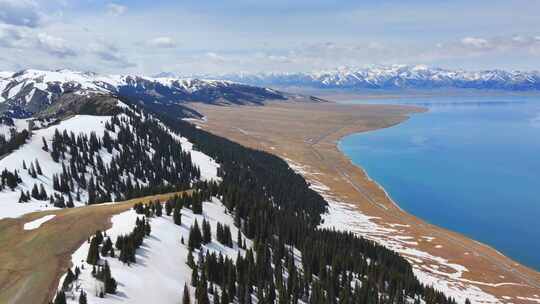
x=291, y=259
x=142, y=159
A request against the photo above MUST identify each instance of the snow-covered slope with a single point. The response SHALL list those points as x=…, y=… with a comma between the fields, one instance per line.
x=32, y=153
x=161, y=271
x=34, y=90
x=397, y=76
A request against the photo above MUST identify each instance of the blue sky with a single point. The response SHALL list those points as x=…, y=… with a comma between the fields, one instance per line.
x=213, y=37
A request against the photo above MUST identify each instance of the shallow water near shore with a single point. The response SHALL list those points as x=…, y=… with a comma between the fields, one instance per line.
x=469, y=164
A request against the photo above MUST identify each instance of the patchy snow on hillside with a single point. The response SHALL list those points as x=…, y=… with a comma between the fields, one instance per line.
x=160, y=271
x=429, y=269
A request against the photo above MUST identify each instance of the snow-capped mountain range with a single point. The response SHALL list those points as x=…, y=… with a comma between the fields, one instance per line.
x=31, y=91
x=396, y=77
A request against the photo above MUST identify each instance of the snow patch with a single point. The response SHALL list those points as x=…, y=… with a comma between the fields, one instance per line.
x=446, y=277
x=37, y=223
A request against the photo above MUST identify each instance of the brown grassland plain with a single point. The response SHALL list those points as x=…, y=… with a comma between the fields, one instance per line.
x=307, y=134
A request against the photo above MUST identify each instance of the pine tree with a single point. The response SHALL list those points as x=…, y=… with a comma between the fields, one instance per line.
x=207, y=232
x=177, y=216
x=35, y=192
x=99, y=237
x=70, y=277
x=195, y=237
x=190, y=260
x=45, y=146
x=197, y=207
x=239, y=238
x=186, y=299
x=38, y=168
x=70, y=203
x=32, y=171
x=107, y=247
x=42, y=193
x=225, y=297
x=195, y=277
x=201, y=293
x=23, y=198
x=168, y=207
x=159, y=208
x=82, y=297
x=60, y=298
x=108, y=281
x=93, y=252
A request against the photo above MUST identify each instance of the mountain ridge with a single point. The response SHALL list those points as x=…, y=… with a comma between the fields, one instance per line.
x=27, y=92
x=396, y=77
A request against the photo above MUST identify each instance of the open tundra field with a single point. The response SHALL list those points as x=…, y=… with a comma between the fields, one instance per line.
x=306, y=136
x=37, y=247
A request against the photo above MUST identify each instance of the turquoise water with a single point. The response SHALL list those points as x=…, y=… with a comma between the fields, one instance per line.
x=469, y=164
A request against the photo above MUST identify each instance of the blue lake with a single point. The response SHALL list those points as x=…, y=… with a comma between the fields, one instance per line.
x=469, y=164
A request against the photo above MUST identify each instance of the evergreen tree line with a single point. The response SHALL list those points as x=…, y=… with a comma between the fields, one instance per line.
x=16, y=139
x=149, y=209
x=9, y=180
x=128, y=244
x=223, y=235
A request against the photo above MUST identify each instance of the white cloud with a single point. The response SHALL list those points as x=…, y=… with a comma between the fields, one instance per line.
x=54, y=45
x=116, y=10
x=502, y=43
x=474, y=42
x=20, y=13
x=162, y=42
x=215, y=57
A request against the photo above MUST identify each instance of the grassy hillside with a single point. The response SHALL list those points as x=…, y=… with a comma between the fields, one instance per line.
x=36, y=259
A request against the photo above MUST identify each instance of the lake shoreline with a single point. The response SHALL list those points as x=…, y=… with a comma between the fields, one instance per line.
x=448, y=260
x=445, y=158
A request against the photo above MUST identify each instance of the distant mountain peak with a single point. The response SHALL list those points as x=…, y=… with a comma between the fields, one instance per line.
x=165, y=75
x=397, y=77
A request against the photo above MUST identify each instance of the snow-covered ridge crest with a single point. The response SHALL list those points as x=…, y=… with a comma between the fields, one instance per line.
x=105, y=83
x=32, y=91
x=398, y=76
